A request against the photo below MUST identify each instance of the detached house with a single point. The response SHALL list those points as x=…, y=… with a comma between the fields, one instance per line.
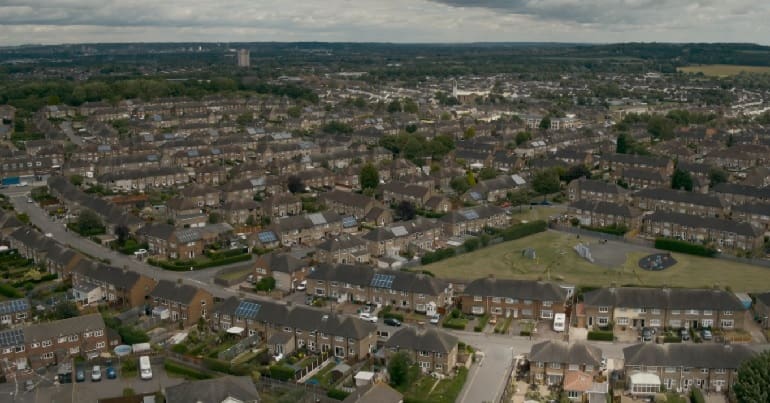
x=514, y=298
x=432, y=350
x=181, y=302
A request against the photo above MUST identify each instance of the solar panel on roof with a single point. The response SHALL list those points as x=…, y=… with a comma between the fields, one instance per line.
x=247, y=310
x=470, y=214
x=12, y=337
x=267, y=237
x=399, y=231
x=317, y=218
x=382, y=280
x=17, y=305
x=348, y=222
x=476, y=195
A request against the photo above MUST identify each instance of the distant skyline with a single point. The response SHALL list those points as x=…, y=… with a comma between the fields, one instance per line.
x=596, y=21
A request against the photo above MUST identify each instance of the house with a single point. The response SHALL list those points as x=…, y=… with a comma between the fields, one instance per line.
x=115, y=286
x=552, y=361
x=14, y=312
x=347, y=203
x=723, y=233
x=226, y=389
x=185, y=213
x=307, y=229
x=201, y=195
x=680, y=201
x=494, y=190
x=641, y=178
x=186, y=304
x=48, y=343
x=514, y=298
x=680, y=367
x=166, y=241
x=762, y=309
x=240, y=212
x=399, y=289
x=603, y=214
x=619, y=162
x=588, y=189
x=431, y=349
x=287, y=270
x=418, y=234
x=676, y=308
x=734, y=193
x=281, y=205
x=315, y=329
x=756, y=214
x=396, y=192
x=143, y=179
x=379, y=216
x=438, y=204
x=343, y=249
x=473, y=220
x=375, y=392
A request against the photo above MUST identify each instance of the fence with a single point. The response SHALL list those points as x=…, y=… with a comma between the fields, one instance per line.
x=310, y=366
x=309, y=393
x=238, y=348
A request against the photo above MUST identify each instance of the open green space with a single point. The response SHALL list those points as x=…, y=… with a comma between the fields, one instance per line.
x=557, y=261
x=723, y=70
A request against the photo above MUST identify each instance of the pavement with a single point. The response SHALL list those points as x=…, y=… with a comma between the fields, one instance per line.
x=200, y=278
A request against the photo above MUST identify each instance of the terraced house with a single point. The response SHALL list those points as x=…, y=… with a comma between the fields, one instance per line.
x=473, y=220
x=587, y=189
x=94, y=283
x=676, y=308
x=417, y=234
x=432, y=350
x=43, y=344
x=726, y=234
x=678, y=367
x=295, y=327
x=402, y=290
x=182, y=302
x=680, y=201
x=551, y=361
x=514, y=298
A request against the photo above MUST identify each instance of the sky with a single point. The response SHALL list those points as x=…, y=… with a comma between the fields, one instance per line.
x=598, y=21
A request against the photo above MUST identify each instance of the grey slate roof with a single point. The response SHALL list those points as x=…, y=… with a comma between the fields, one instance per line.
x=214, y=390
x=173, y=291
x=119, y=278
x=666, y=298
x=728, y=356
x=281, y=262
x=363, y=275
x=591, y=185
x=521, y=289
x=47, y=330
x=711, y=223
x=431, y=340
x=602, y=207
x=375, y=392
x=578, y=353
x=743, y=190
x=681, y=196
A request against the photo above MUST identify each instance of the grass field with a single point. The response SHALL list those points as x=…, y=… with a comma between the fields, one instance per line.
x=557, y=261
x=723, y=70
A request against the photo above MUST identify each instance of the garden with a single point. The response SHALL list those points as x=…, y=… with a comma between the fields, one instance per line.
x=19, y=275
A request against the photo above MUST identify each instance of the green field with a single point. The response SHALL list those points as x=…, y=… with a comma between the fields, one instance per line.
x=723, y=70
x=557, y=261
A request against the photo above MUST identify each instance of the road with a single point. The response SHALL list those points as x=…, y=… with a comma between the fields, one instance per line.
x=200, y=278
x=66, y=127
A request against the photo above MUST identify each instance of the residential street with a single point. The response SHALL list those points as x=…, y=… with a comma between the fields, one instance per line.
x=201, y=278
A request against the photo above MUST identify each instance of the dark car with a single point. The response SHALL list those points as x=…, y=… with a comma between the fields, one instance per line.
x=80, y=375
x=392, y=322
x=111, y=373
x=647, y=334
x=685, y=334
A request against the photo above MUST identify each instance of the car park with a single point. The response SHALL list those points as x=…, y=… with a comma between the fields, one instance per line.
x=392, y=322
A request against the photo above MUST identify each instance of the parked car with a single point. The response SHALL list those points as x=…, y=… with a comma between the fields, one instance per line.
x=80, y=375
x=111, y=373
x=392, y=322
x=685, y=334
x=302, y=286
x=96, y=373
x=367, y=317
x=29, y=385
x=647, y=334
x=706, y=334
x=435, y=319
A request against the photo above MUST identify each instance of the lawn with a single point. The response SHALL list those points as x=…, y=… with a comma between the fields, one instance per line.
x=428, y=389
x=557, y=261
x=722, y=70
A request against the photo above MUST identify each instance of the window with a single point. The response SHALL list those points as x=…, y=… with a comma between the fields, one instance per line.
x=623, y=321
x=62, y=340
x=707, y=312
x=727, y=313
x=47, y=356
x=546, y=314
x=574, y=394
x=477, y=310
x=424, y=354
x=496, y=300
x=655, y=322
x=527, y=302
x=439, y=367
x=540, y=364
x=675, y=312
x=720, y=371
x=424, y=364
x=704, y=371
x=339, y=339
x=287, y=329
x=670, y=369
x=547, y=303
x=509, y=300
x=554, y=365
x=728, y=323
x=574, y=367
x=46, y=343
x=74, y=350
x=477, y=298
x=604, y=309
x=438, y=355
x=656, y=311
x=603, y=321
x=100, y=344
x=34, y=345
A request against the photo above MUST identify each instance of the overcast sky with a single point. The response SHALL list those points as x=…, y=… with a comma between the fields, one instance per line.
x=75, y=21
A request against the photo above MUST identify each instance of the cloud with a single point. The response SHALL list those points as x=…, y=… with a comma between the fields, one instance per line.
x=57, y=21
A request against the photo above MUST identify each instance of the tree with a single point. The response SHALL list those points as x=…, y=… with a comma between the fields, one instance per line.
x=622, y=144
x=369, y=177
x=398, y=369
x=295, y=184
x=681, y=180
x=518, y=198
x=471, y=179
x=266, y=284
x=753, y=383
x=523, y=137
x=545, y=123
x=394, y=106
x=717, y=176
x=65, y=310
x=460, y=184
x=546, y=182
x=76, y=180
x=122, y=232
x=660, y=127
x=469, y=133
x=244, y=119
x=575, y=172
x=294, y=112
x=487, y=173
x=214, y=218
x=405, y=210
x=410, y=106
x=89, y=223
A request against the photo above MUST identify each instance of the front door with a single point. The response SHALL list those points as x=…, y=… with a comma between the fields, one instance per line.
x=591, y=321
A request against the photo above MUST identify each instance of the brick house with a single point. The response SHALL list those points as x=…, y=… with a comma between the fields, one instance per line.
x=287, y=270
x=116, y=286
x=619, y=162
x=417, y=234
x=734, y=193
x=307, y=229
x=756, y=214
x=642, y=178
x=201, y=195
x=185, y=303
x=347, y=203
x=144, y=179
x=343, y=249
x=680, y=367
x=473, y=220
x=603, y=214
x=723, y=233
x=396, y=192
x=432, y=350
x=551, y=361
x=680, y=201
x=281, y=205
x=762, y=309
x=673, y=308
x=15, y=312
x=588, y=189
x=514, y=298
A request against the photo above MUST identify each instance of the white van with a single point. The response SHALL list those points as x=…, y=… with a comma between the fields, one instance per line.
x=145, y=370
x=559, y=322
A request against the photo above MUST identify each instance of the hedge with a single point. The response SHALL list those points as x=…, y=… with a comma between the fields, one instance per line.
x=601, y=335
x=454, y=323
x=525, y=333
x=177, y=265
x=696, y=396
x=684, y=247
x=482, y=323
x=672, y=339
x=523, y=230
x=218, y=255
x=42, y=279
x=439, y=254
x=9, y=292
x=184, y=370
x=281, y=372
x=618, y=230
x=337, y=394
x=393, y=315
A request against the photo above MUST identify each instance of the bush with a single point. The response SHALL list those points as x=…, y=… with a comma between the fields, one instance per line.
x=601, y=335
x=455, y=323
x=525, y=333
x=281, y=372
x=482, y=323
x=523, y=230
x=182, y=265
x=393, y=315
x=179, y=348
x=185, y=371
x=684, y=247
x=696, y=396
x=217, y=255
x=337, y=394
x=618, y=230
x=132, y=335
x=471, y=244
x=9, y=292
x=671, y=339
x=438, y=255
